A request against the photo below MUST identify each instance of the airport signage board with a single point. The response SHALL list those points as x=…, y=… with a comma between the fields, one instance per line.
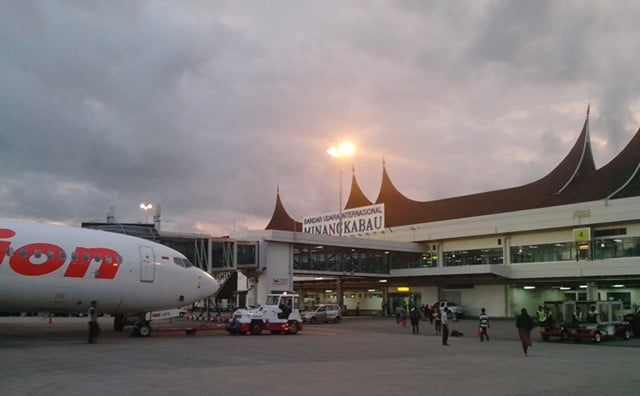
x=355, y=221
x=582, y=234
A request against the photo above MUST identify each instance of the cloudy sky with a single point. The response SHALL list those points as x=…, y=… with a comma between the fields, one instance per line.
x=207, y=107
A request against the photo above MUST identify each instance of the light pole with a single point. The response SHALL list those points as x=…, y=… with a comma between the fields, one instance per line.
x=146, y=206
x=344, y=149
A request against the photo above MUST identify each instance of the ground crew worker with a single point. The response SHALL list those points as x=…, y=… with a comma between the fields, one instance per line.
x=541, y=316
x=592, y=315
x=94, y=329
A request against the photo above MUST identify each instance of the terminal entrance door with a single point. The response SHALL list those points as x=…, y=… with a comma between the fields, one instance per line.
x=404, y=301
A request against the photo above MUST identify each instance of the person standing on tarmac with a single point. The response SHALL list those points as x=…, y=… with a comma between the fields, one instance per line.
x=444, y=318
x=524, y=323
x=484, y=325
x=415, y=321
x=541, y=316
x=94, y=328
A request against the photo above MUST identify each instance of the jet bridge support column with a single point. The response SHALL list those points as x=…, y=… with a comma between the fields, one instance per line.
x=339, y=294
x=252, y=292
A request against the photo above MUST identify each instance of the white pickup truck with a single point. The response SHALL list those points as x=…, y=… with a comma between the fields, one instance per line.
x=456, y=310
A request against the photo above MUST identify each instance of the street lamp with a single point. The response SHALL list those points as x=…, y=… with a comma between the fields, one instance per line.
x=146, y=206
x=344, y=149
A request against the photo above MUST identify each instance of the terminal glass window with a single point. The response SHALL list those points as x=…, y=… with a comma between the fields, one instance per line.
x=473, y=257
x=346, y=259
x=562, y=251
x=403, y=260
x=616, y=247
x=599, y=249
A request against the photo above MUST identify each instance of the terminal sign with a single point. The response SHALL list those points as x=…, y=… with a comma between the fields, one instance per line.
x=356, y=221
x=582, y=234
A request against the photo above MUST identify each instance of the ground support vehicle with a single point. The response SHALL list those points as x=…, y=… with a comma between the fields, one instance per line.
x=142, y=323
x=279, y=315
x=555, y=330
x=191, y=330
x=561, y=319
x=634, y=321
x=597, y=332
x=610, y=323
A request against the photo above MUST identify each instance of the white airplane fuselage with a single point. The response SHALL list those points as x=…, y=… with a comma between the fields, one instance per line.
x=48, y=268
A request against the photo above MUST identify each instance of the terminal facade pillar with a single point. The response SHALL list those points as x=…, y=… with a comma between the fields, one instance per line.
x=592, y=292
x=339, y=293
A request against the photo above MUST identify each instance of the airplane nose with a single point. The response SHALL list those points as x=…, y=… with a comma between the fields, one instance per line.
x=208, y=284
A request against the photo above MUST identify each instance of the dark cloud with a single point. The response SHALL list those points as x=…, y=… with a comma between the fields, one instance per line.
x=207, y=108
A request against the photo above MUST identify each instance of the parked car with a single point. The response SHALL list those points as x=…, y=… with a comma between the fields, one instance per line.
x=323, y=313
x=456, y=310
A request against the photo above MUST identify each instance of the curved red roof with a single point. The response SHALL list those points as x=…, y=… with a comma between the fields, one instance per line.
x=280, y=220
x=575, y=179
x=356, y=196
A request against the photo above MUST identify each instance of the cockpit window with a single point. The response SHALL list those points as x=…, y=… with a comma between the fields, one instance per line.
x=182, y=262
x=178, y=261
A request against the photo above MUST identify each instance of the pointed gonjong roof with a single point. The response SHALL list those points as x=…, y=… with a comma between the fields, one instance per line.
x=356, y=196
x=575, y=179
x=280, y=220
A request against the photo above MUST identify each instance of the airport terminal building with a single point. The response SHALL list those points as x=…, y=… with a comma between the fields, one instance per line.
x=574, y=234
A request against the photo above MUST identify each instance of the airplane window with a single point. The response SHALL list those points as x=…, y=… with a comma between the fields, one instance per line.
x=74, y=256
x=63, y=255
x=108, y=259
x=50, y=254
x=119, y=260
x=97, y=257
x=24, y=253
x=178, y=261
x=187, y=263
x=10, y=252
x=85, y=257
x=37, y=253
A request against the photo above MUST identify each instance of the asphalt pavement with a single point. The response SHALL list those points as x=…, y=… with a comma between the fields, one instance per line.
x=359, y=356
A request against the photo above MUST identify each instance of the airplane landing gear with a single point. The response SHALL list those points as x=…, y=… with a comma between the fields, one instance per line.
x=142, y=329
x=119, y=321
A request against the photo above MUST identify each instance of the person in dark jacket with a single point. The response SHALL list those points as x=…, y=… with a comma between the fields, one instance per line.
x=415, y=321
x=524, y=323
x=94, y=328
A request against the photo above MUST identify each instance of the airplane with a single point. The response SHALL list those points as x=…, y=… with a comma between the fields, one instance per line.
x=60, y=269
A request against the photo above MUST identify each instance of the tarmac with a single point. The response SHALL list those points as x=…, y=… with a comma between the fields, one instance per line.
x=359, y=356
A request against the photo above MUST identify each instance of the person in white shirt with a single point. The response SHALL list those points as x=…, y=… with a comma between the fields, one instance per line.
x=444, y=318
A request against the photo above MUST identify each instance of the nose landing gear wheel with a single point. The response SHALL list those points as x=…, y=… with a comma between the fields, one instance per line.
x=143, y=330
